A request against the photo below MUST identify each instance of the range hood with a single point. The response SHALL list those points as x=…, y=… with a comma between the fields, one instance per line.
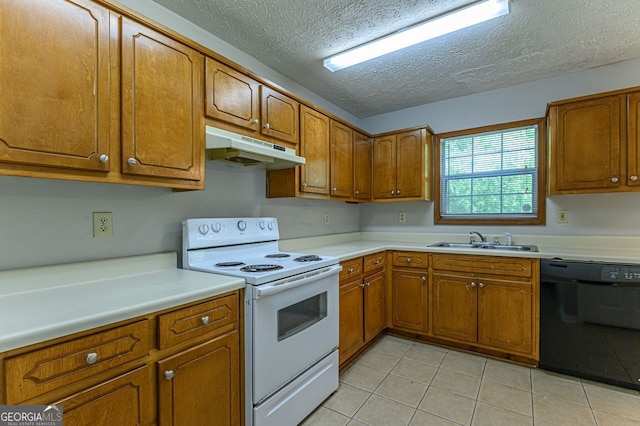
x=234, y=148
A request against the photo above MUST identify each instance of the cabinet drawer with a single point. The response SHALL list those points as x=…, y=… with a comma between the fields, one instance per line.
x=215, y=317
x=513, y=266
x=410, y=259
x=351, y=269
x=35, y=373
x=373, y=262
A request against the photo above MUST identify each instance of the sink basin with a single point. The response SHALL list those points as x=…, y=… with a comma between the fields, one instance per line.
x=489, y=246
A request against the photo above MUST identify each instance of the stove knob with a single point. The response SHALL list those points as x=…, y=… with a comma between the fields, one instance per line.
x=242, y=225
x=216, y=227
x=270, y=225
x=203, y=229
x=263, y=225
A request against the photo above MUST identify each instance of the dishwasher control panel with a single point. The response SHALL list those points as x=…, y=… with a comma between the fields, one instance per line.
x=622, y=273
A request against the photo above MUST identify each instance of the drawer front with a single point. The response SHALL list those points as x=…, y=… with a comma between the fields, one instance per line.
x=374, y=262
x=351, y=269
x=35, y=373
x=410, y=259
x=513, y=266
x=214, y=318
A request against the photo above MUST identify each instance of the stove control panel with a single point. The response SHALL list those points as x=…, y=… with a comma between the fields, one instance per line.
x=216, y=232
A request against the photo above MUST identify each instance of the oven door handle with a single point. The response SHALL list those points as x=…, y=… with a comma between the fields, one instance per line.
x=293, y=282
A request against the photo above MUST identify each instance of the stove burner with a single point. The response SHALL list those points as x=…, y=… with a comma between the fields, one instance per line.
x=277, y=256
x=260, y=268
x=308, y=258
x=228, y=264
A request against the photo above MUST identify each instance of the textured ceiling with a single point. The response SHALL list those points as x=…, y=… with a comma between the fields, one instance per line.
x=538, y=39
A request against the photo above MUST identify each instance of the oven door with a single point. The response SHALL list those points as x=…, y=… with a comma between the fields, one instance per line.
x=295, y=324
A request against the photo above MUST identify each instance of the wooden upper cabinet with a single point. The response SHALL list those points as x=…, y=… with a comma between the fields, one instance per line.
x=362, y=161
x=341, y=160
x=54, y=84
x=162, y=106
x=384, y=166
x=231, y=96
x=279, y=115
x=314, y=147
x=586, y=145
x=633, y=140
x=399, y=165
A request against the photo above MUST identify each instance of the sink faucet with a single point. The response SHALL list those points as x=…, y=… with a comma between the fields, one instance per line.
x=482, y=238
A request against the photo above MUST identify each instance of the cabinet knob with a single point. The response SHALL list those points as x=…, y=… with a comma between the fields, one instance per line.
x=357, y=192
x=104, y=158
x=367, y=284
x=205, y=320
x=408, y=260
x=481, y=285
x=473, y=283
x=350, y=270
x=398, y=192
x=266, y=126
x=304, y=184
x=334, y=189
x=362, y=285
x=424, y=279
x=393, y=192
x=254, y=121
x=92, y=358
x=169, y=374
x=375, y=262
x=634, y=178
x=614, y=179
x=132, y=161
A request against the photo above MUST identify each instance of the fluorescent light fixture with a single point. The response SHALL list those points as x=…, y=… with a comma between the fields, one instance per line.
x=453, y=21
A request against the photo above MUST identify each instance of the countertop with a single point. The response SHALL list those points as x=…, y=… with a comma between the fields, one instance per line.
x=347, y=246
x=38, y=304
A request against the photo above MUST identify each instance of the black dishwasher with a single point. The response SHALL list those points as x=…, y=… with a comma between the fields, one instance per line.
x=590, y=320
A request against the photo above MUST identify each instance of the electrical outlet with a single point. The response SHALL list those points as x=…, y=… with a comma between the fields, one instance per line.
x=326, y=218
x=402, y=217
x=102, y=225
x=563, y=216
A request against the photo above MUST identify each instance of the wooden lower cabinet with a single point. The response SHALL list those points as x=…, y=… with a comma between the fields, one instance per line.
x=409, y=300
x=454, y=308
x=362, y=303
x=125, y=400
x=121, y=374
x=200, y=386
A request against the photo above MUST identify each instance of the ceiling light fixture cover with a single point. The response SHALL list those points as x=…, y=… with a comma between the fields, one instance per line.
x=453, y=21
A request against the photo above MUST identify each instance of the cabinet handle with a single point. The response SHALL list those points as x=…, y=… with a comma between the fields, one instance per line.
x=169, y=374
x=104, y=158
x=205, y=320
x=634, y=178
x=254, y=121
x=473, y=283
x=92, y=358
x=266, y=126
x=132, y=161
x=481, y=285
x=614, y=179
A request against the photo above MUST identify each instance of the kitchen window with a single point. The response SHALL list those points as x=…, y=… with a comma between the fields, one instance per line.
x=493, y=175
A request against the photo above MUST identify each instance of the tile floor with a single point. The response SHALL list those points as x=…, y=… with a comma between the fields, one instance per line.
x=401, y=382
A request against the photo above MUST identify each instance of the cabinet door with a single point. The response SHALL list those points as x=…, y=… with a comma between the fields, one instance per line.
x=231, y=97
x=279, y=115
x=374, y=303
x=410, y=164
x=314, y=147
x=633, y=143
x=505, y=315
x=341, y=160
x=351, y=317
x=585, y=145
x=384, y=167
x=201, y=385
x=54, y=83
x=125, y=400
x=362, y=159
x=409, y=300
x=454, y=307
x=162, y=107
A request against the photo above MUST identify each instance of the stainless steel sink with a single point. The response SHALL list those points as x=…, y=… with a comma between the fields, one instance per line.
x=489, y=246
